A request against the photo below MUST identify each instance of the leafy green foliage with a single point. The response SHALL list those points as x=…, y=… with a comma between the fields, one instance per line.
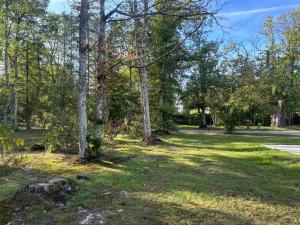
x=165, y=73
x=9, y=144
x=62, y=137
x=204, y=76
x=94, y=145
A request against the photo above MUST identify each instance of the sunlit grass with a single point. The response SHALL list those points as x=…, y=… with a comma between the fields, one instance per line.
x=188, y=179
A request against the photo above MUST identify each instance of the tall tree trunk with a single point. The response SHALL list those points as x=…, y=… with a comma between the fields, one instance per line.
x=82, y=102
x=141, y=47
x=203, y=116
x=199, y=117
x=64, y=42
x=16, y=87
x=279, y=114
x=131, y=109
x=71, y=44
x=27, y=109
x=16, y=76
x=161, y=99
x=160, y=110
x=101, y=72
x=6, y=67
x=88, y=61
x=215, y=120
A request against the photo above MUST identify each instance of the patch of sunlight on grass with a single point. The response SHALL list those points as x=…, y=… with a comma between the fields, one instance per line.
x=190, y=178
x=236, y=205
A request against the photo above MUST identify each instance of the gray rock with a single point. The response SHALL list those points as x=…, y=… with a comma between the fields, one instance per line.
x=124, y=194
x=62, y=183
x=39, y=188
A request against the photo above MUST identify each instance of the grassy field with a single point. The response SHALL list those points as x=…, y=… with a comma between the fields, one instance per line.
x=244, y=128
x=189, y=179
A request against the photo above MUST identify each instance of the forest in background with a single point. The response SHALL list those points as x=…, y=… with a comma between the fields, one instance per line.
x=139, y=67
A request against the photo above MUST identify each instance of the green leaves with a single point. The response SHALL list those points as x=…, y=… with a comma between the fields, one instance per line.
x=8, y=144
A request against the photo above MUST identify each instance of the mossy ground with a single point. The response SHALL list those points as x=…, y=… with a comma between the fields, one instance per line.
x=189, y=179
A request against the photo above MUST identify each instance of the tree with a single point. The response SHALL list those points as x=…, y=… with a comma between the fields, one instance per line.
x=102, y=66
x=18, y=18
x=141, y=30
x=82, y=100
x=164, y=74
x=6, y=63
x=204, y=76
x=281, y=64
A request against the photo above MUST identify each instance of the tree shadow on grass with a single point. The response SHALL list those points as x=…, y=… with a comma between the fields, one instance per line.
x=139, y=211
x=206, y=147
x=270, y=178
x=217, y=177
x=227, y=138
x=233, y=143
x=258, y=178
x=6, y=170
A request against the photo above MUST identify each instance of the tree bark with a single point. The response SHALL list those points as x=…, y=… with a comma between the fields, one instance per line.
x=131, y=110
x=199, y=117
x=6, y=66
x=82, y=101
x=101, y=72
x=215, y=119
x=160, y=110
x=27, y=109
x=141, y=46
x=16, y=81
x=161, y=99
x=203, y=115
x=279, y=114
x=88, y=61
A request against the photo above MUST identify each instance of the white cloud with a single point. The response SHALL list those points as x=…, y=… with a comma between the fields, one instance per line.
x=255, y=11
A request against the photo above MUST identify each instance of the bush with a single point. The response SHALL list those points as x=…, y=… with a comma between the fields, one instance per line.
x=61, y=138
x=135, y=128
x=9, y=145
x=230, y=119
x=113, y=128
x=94, y=145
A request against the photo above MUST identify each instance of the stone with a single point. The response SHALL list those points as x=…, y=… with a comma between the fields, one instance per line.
x=61, y=205
x=124, y=194
x=62, y=183
x=93, y=218
x=88, y=219
x=58, y=186
x=39, y=188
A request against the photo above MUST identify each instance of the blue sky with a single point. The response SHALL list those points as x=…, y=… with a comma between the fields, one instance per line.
x=243, y=17
x=58, y=5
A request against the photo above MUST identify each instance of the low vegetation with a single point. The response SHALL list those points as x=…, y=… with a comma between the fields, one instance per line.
x=187, y=179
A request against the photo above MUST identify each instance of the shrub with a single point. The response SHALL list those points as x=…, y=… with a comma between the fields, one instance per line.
x=94, y=145
x=113, y=128
x=230, y=118
x=61, y=137
x=9, y=145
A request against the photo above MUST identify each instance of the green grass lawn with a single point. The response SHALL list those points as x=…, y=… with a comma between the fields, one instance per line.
x=239, y=128
x=189, y=179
